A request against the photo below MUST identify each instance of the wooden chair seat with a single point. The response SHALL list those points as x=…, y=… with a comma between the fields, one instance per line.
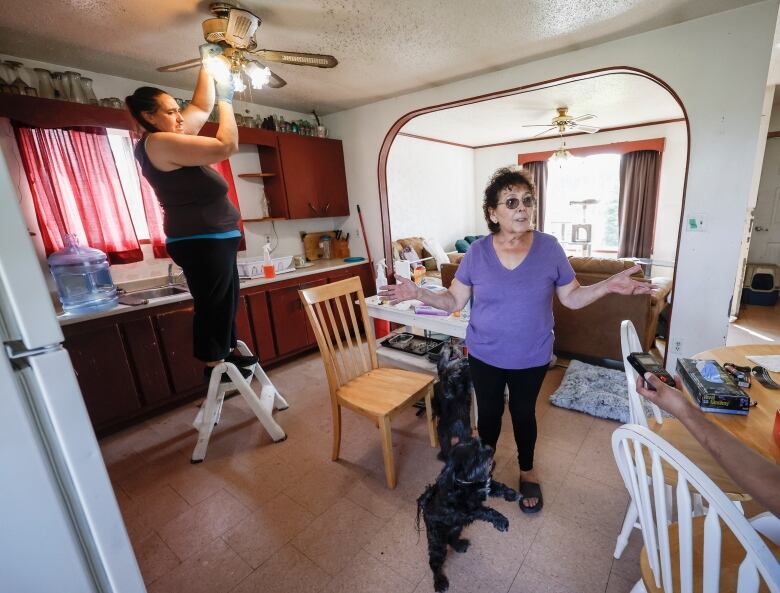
x=732, y=555
x=382, y=391
x=674, y=432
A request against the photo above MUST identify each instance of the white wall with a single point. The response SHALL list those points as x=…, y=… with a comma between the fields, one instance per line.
x=765, y=245
x=430, y=190
x=250, y=192
x=718, y=66
x=671, y=182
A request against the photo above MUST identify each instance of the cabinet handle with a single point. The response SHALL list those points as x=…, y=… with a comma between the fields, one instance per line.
x=325, y=210
x=313, y=209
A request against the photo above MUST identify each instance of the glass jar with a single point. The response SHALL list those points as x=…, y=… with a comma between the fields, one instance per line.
x=58, y=82
x=6, y=73
x=72, y=82
x=20, y=73
x=30, y=91
x=86, y=87
x=45, y=83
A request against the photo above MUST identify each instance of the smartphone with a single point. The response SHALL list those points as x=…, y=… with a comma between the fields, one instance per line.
x=645, y=363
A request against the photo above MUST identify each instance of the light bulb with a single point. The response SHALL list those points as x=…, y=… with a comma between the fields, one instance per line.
x=259, y=76
x=218, y=67
x=238, y=84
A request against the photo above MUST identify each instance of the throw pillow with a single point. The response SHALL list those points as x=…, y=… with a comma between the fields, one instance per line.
x=436, y=250
x=461, y=245
x=410, y=254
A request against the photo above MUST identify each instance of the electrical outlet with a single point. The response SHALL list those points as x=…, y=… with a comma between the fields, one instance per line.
x=677, y=345
x=268, y=238
x=357, y=233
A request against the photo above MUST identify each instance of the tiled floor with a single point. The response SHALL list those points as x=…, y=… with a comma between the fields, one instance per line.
x=263, y=517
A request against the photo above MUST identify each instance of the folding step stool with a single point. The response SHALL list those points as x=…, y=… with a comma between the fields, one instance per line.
x=262, y=405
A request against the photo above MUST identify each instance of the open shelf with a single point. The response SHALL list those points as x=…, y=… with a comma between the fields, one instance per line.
x=255, y=175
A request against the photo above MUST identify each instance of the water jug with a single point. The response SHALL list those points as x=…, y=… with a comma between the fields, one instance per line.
x=82, y=277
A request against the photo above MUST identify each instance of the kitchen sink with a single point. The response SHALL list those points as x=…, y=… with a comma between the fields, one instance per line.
x=156, y=293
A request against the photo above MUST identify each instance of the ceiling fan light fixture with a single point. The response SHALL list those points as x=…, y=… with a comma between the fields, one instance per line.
x=218, y=67
x=241, y=28
x=259, y=76
x=238, y=83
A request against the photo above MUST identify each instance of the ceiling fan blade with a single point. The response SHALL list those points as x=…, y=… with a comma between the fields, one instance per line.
x=584, y=117
x=545, y=131
x=180, y=66
x=276, y=81
x=588, y=129
x=535, y=126
x=296, y=58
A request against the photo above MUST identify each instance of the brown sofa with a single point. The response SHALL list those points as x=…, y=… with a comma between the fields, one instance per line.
x=594, y=331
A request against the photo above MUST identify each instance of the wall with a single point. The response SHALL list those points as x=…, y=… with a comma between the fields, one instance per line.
x=724, y=114
x=285, y=236
x=765, y=244
x=430, y=189
x=671, y=182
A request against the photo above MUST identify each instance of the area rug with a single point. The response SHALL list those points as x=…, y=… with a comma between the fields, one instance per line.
x=597, y=391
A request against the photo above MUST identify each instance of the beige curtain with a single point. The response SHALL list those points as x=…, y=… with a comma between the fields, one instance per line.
x=538, y=172
x=638, y=200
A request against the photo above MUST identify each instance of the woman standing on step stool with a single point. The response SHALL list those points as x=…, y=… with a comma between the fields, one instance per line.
x=200, y=222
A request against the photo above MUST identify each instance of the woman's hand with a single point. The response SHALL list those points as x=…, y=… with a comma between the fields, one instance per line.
x=225, y=89
x=623, y=283
x=209, y=50
x=403, y=290
x=664, y=396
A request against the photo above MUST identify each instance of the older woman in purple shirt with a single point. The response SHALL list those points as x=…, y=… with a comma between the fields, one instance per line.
x=510, y=275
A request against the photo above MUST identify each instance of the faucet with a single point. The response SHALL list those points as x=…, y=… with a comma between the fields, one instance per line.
x=174, y=278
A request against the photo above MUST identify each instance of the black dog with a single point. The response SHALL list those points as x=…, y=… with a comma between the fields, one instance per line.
x=451, y=402
x=456, y=500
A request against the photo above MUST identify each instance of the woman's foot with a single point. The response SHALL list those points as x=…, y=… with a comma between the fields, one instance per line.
x=240, y=360
x=531, y=494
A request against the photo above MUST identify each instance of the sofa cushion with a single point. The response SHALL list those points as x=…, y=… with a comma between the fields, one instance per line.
x=600, y=265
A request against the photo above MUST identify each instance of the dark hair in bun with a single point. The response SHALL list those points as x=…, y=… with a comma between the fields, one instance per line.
x=143, y=99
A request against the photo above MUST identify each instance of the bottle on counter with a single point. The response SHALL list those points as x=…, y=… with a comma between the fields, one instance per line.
x=82, y=277
x=419, y=273
x=269, y=270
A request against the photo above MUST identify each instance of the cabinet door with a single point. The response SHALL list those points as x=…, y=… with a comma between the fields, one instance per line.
x=331, y=178
x=243, y=325
x=261, y=324
x=299, y=158
x=186, y=371
x=289, y=320
x=104, y=375
x=147, y=360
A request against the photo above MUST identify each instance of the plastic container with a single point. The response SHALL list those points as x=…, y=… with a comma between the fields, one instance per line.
x=381, y=276
x=325, y=246
x=82, y=277
x=269, y=271
x=419, y=273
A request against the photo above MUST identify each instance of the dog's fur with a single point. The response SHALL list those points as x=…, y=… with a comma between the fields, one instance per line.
x=456, y=499
x=452, y=400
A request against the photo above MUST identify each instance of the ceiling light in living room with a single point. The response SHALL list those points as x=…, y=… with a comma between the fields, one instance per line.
x=561, y=155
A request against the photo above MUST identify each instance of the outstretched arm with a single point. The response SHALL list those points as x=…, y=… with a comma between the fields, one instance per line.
x=758, y=476
x=574, y=296
x=453, y=299
x=199, y=109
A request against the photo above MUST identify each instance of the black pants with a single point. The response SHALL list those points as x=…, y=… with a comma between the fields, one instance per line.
x=524, y=386
x=209, y=266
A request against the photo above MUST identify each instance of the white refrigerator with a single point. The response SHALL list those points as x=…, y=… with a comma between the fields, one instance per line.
x=60, y=526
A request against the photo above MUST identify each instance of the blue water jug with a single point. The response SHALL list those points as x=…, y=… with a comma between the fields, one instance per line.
x=83, y=279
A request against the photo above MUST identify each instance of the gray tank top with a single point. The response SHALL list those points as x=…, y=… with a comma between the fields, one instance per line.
x=194, y=200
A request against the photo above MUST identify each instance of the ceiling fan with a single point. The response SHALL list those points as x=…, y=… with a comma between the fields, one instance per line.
x=564, y=122
x=234, y=30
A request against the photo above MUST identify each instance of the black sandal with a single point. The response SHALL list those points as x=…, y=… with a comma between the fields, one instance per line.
x=531, y=490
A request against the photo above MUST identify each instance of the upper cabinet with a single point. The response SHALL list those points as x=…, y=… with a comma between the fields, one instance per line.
x=310, y=180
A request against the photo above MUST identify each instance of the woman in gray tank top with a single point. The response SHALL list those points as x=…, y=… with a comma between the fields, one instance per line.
x=200, y=222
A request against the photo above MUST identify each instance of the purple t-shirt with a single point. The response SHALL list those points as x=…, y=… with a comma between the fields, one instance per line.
x=511, y=324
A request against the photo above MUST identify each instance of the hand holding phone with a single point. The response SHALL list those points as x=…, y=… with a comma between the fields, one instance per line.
x=645, y=363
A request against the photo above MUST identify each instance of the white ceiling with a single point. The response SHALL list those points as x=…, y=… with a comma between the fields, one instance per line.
x=615, y=99
x=385, y=47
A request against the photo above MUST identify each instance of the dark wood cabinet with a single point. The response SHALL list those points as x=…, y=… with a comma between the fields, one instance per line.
x=134, y=364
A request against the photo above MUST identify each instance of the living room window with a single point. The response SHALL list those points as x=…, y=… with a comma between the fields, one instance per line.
x=584, y=191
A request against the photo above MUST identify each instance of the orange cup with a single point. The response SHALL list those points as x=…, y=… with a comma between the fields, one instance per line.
x=269, y=271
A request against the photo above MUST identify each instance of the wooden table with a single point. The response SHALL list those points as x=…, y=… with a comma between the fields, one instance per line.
x=755, y=429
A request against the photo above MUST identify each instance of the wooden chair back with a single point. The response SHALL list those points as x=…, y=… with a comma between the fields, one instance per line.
x=629, y=342
x=679, y=557
x=331, y=312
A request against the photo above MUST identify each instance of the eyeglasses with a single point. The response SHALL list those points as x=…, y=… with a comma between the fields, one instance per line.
x=513, y=203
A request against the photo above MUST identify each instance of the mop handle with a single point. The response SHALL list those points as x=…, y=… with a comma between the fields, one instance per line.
x=363, y=230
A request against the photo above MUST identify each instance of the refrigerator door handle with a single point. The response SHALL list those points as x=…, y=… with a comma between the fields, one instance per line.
x=16, y=350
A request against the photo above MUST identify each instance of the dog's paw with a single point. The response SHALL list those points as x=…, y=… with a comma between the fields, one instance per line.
x=511, y=495
x=440, y=583
x=502, y=524
x=461, y=545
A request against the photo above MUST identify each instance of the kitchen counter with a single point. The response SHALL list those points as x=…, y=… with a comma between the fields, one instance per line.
x=317, y=267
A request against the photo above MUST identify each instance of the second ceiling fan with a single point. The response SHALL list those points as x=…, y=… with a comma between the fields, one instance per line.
x=564, y=122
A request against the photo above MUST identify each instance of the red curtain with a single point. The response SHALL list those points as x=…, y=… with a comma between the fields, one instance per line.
x=152, y=209
x=76, y=189
x=224, y=169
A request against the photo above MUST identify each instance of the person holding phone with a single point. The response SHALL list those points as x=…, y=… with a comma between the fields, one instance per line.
x=200, y=222
x=511, y=275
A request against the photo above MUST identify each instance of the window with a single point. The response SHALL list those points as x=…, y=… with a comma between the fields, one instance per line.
x=122, y=149
x=580, y=179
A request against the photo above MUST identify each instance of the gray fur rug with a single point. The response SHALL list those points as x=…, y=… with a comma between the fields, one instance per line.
x=597, y=391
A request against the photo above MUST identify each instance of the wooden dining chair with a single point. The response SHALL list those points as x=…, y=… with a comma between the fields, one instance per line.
x=718, y=551
x=670, y=429
x=355, y=380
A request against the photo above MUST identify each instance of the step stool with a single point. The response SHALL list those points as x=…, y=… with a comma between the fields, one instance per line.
x=261, y=404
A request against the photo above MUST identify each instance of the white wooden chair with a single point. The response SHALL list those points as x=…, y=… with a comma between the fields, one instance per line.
x=671, y=430
x=355, y=380
x=716, y=552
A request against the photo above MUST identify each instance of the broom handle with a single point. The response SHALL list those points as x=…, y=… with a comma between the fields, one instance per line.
x=363, y=230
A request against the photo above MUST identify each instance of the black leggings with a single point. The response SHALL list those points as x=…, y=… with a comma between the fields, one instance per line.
x=209, y=266
x=524, y=386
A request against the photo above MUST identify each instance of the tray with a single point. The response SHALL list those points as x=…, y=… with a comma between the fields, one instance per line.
x=411, y=343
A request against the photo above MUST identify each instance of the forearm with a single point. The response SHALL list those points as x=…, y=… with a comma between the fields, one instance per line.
x=582, y=296
x=227, y=134
x=757, y=475
x=203, y=96
x=443, y=300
